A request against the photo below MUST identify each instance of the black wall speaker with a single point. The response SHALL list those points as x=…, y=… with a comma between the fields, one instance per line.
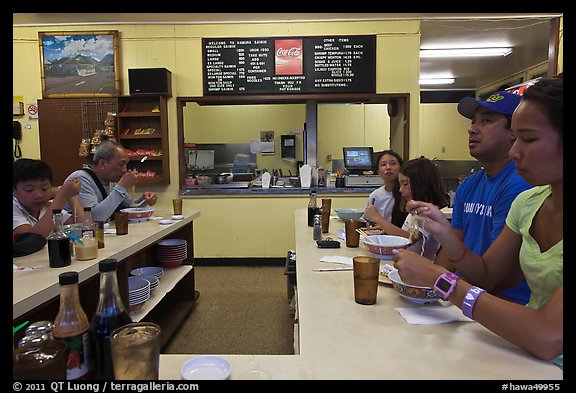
x=150, y=81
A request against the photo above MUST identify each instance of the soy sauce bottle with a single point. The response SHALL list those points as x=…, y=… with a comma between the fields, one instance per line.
x=110, y=314
x=313, y=208
x=59, y=247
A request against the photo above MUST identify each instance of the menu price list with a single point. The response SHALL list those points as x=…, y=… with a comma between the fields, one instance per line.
x=289, y=65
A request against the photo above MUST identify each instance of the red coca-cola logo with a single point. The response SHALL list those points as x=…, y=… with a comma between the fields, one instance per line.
x=292, y=52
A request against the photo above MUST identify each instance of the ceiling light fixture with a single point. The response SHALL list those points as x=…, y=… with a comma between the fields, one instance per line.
x=465, y=52
x=437, y=81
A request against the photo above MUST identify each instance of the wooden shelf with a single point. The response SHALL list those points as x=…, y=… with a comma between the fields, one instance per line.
x=135, y=112
x=167, y=282
x=139, y=114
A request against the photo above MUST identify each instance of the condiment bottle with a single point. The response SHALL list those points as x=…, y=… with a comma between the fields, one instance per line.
x=313, y=208
x=99, y=225
x=71, y=326
x=321, y=177
x=317, y=229
x=87, y=225
x=110, y=314
x=59, y=247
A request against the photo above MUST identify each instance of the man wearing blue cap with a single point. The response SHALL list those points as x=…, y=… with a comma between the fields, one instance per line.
x=483, y=199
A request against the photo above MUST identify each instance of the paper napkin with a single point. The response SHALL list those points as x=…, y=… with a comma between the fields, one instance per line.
x=430, y=315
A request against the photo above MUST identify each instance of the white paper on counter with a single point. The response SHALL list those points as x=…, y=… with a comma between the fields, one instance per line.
x=305, y=176
x=337, y=259
x=430, y=315
x=266, y=180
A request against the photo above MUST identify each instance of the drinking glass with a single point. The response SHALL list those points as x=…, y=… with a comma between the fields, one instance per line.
x=136, y=351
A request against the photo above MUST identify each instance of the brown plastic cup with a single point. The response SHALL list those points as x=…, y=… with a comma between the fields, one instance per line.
x=121, y=223
x=366, y=270
x=325, y=211
x=41, y=360
x=352, y=237
x=135, y=349
x=177, y=205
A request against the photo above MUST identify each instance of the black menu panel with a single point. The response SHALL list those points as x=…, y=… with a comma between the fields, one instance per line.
x=333, y=64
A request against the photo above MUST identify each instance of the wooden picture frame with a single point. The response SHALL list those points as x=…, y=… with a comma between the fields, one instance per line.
x=79, y=64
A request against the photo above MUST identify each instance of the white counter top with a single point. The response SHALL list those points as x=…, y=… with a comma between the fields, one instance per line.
x=340, y=339
x=32, y=288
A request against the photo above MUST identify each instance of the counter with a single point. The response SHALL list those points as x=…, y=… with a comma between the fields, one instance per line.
x=340, y=339
x=274, y=190
x=35, y=293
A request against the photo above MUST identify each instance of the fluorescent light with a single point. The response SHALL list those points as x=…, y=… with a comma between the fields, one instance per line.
x=437, y=81
x=465, y=52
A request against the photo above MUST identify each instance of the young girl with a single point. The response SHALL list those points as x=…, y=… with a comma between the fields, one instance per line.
x=532, y=239
x=385, y=202
x=419, y=179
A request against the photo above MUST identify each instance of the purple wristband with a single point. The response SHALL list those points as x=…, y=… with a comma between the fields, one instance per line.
x=470, y=299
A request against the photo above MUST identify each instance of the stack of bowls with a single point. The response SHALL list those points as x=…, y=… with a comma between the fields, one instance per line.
x=148, y=271
x=154, y=281
x=138, y=292
x=172, y=252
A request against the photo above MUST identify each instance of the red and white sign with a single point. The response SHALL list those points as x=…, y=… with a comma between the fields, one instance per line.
x=288, y=57
x=519, y=89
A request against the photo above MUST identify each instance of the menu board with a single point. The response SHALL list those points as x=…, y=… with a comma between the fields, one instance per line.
x=333, y=64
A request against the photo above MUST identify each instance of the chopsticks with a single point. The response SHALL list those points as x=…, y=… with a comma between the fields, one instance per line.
x=363, y=234
x=332, y=269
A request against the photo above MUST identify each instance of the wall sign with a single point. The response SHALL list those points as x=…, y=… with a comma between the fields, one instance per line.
x=333, y=64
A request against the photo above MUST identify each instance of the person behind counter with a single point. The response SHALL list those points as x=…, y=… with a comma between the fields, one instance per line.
x=31, y=194
x=104, y=183
x=419, y=179
x=531, y=240
x=385, y=202
x=492, y=189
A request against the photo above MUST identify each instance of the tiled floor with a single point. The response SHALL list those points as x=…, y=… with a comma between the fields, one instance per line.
x=241, y=310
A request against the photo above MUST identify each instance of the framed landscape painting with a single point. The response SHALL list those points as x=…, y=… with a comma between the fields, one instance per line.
x=79, y=64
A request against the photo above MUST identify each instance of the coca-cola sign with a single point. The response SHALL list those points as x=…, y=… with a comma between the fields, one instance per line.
x=288, y=59
x=294, y=51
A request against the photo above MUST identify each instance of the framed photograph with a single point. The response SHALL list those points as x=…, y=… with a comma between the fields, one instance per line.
x=79, y=64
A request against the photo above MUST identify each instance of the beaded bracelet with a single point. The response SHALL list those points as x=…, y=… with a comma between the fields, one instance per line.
x=461, y=257
x=470, y=300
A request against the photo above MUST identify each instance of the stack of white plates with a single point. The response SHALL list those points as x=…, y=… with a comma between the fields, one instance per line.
x=138, y=292
x=172, y=252
x=153, y=281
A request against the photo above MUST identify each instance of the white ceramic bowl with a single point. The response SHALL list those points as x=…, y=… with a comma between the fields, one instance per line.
x=136, y=213
x=205, y=368
x=349, y=213
x=413, y=293
x=384, y=244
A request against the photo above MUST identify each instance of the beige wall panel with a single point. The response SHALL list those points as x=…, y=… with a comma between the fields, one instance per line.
x=247, y=227
x=443, y=126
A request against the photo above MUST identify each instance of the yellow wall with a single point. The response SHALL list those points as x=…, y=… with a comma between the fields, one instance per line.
x=442, y=126
x=178, y=48
x=263, y=227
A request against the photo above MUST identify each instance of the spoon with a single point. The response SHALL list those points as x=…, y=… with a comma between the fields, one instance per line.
x=140, y=203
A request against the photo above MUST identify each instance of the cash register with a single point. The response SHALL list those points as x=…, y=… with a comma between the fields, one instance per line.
x=358, y=161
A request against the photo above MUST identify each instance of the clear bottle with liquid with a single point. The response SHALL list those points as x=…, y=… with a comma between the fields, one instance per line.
x=110, y=314
x=317, y=228
x=313, y=208
x=71, y=326
x=59, y=247
x=88, y=228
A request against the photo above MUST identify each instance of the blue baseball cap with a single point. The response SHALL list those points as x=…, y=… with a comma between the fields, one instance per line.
x=499, y=102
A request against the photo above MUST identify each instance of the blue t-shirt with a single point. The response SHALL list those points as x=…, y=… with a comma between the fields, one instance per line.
x=480, y=208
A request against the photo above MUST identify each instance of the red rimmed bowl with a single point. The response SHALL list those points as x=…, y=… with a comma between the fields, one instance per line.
x=138, y=213
x=413, y=293
x=384, y=244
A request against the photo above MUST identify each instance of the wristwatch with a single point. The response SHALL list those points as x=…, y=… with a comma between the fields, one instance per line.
x=446, y=284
